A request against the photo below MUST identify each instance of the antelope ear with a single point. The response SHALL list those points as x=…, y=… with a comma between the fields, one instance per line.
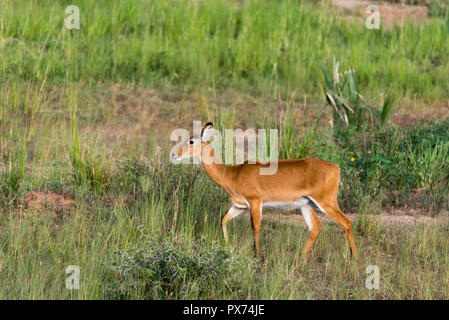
x=206, y=132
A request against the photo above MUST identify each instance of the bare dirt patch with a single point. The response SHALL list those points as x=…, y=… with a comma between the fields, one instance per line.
x=391, y=14
x=396, y=218
x=405, y=118
x=37, y=203
x=129, y=114
x=120, y=201
x=134, y=113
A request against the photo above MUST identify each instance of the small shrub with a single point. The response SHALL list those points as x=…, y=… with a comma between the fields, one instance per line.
x=168, y=270
x=423, y=133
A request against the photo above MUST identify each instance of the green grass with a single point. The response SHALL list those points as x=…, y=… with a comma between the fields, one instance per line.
x=260, y=45
x=103, y=239
x=178, y=207
x=88, y=113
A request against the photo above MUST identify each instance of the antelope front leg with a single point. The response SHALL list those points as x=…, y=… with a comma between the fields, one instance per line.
x=230, y=214
x=256, y=217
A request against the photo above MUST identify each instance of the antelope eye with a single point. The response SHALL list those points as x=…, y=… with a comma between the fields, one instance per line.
x=191, y=141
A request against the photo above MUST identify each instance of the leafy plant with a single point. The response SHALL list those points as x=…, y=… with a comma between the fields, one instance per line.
x=349, y=106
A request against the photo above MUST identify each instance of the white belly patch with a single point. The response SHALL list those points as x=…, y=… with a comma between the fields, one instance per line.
x=303, y=203
x=287, y=206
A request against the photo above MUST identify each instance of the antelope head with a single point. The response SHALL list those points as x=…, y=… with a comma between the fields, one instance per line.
x=196, y=147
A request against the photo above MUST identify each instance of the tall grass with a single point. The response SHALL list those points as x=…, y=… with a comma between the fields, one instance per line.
x=87, y=168
x=258, y=45
x=138, y=250
x=181, y=207
x=134, y=212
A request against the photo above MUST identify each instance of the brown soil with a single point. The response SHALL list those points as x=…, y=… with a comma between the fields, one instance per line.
x=142, y=114
x=397, y=218
x=408, y=119
x=391, y=14
x=119, y=201
x=59, y=205
x=145, y=114
x=37, y=203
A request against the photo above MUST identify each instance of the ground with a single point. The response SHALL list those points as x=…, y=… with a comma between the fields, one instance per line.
x=85, y=121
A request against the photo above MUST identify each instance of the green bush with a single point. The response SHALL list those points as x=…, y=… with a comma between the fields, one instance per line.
x=404, y=166
x=167, y=269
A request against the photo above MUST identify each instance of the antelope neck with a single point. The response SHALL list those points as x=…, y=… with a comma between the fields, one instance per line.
x=218, y=172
